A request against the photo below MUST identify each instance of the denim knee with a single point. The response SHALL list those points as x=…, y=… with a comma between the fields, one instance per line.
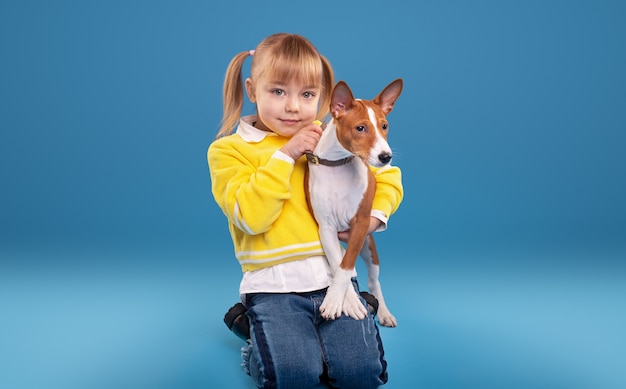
x=354, y=353
x=286, y=348
x=281, y=372
x=286, y=373
x=298, y=374
x=366, y=374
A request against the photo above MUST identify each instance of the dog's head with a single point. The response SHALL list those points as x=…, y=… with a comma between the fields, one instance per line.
x=362, y=124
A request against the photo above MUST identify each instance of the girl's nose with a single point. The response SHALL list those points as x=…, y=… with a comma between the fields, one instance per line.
x=292, y=105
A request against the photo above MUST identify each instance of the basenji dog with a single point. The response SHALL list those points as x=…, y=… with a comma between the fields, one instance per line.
x=341, y=187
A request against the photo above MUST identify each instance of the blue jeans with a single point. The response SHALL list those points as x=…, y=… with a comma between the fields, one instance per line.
x=292, y=346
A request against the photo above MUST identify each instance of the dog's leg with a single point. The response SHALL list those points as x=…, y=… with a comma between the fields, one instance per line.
x=341, y=297
x=352, y=305
x=332, y=306
x=370, y=256
x=340, y=292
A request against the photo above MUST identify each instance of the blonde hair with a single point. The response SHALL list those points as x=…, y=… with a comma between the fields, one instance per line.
x=282, y=56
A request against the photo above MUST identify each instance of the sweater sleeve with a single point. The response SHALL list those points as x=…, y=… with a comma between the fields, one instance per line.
x=389, y=191
x=251, y=197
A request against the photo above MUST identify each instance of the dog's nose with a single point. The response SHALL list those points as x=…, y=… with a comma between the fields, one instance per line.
x=384, y=157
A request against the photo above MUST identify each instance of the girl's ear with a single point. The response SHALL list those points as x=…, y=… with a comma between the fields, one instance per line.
x=250, y=90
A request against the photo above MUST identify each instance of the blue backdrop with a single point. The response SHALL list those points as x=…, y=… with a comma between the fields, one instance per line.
x=504, y=265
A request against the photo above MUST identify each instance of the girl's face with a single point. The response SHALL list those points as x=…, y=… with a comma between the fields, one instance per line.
x=283, y=107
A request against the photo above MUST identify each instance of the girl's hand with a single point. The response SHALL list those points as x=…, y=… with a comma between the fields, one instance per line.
x=344, y=236
x=303, y=141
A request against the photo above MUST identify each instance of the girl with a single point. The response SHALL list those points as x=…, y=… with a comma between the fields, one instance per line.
x=257, y=177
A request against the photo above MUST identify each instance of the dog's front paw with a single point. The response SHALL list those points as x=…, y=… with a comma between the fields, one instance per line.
x=352, y=305
x=331, y=307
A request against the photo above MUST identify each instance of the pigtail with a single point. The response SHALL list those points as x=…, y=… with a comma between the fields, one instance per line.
x=232, y=94
x=328, y=83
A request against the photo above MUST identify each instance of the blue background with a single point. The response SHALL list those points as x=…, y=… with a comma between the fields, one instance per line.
x=504, y=265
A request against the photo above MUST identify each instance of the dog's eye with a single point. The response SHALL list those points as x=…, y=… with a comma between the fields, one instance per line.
x=385, y=126
x=360, y=128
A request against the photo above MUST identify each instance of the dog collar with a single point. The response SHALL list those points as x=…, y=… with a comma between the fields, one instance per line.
x=315, y=160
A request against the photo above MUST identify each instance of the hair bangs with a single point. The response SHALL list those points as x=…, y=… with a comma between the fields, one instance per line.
x=305, y=68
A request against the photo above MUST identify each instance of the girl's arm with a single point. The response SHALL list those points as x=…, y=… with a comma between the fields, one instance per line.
x=389, y=193
x=251, y=197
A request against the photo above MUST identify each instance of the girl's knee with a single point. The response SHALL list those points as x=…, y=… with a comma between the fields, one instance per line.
x=290, y=373
x=299, y=376
x=363, y=374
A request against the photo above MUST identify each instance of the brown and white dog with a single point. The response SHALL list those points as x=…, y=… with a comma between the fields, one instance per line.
x=341, y=191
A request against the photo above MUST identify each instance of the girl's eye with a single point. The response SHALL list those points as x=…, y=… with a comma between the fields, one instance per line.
x=360, y=128
x=308, y=95
x=278, y=92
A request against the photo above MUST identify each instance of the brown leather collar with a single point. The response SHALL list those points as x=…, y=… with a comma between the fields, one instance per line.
x=315, y=160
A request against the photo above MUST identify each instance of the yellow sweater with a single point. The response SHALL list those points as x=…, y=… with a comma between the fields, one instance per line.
x=263, y=198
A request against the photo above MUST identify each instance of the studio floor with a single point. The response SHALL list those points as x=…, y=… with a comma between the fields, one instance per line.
x=124, y=320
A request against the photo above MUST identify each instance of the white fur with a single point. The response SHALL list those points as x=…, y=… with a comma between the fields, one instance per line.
x=380, y=146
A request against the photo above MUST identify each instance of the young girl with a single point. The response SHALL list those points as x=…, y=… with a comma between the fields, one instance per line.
x=257, y=177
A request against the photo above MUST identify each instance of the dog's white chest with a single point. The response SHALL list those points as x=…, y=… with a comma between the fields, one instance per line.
x=337, y=191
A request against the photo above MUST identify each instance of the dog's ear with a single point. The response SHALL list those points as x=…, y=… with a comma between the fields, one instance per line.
x=342, y=99
x=387, y=98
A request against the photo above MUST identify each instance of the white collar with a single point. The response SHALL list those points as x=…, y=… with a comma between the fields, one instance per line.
x=248, y=132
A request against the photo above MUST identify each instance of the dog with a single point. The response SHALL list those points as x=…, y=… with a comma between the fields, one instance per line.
x=341, y=187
